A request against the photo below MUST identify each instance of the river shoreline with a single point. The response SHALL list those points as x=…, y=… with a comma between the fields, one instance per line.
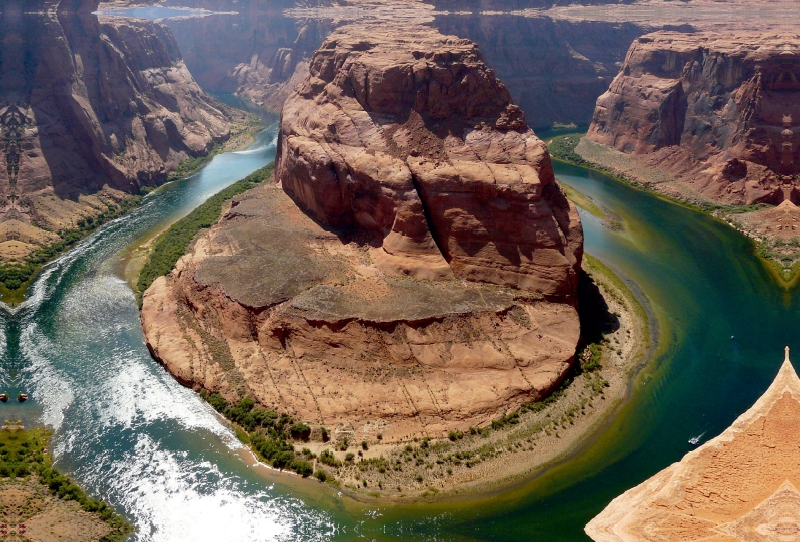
x=596, y=157
x=577, y=411
x=518, y=446
x=124, y=204
x=540, y=440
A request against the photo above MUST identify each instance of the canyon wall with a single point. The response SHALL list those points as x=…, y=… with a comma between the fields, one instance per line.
x=721, y=113
x=414, y=272
x=90, y=106
x=554, y=69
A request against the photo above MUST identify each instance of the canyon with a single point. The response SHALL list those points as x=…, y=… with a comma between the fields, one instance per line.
x=712, y=119
x=554, y=69
x=92, y=111
x=719, y=112
x=413, y=271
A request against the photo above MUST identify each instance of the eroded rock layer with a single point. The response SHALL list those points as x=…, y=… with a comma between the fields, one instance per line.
x=719, y=112
x=411, y=137
x=422, y=279
x=87, y=104
x=272, y=305
x=740, y=486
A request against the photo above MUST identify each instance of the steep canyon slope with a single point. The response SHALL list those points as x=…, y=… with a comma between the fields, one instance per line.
x=554, y=69
x=415, y=269
x=718, y=112
x=91, y=110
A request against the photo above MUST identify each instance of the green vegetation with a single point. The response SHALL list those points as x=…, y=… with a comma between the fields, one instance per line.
x=16, y=276
x=23, y=454
x=190, y=166
x=585, y=203
x=173, y=243
x=562, y=148
x=268, y=433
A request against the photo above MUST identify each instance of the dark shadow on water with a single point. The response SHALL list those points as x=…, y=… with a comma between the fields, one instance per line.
x=595, y=316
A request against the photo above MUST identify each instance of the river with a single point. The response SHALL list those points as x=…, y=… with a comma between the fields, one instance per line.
x=130, y=434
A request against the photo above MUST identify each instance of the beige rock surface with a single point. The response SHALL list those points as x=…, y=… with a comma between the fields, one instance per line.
x=272, y=305
x=740, y=486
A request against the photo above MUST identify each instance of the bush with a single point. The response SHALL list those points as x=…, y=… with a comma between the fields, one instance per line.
x=326, y=457
x=303, y=468
x=321, y=475
x=300, y=431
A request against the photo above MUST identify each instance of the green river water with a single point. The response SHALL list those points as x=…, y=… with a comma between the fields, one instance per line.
x=130, y=434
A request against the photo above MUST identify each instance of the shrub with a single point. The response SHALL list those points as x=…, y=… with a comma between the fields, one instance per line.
x=300, y=431
x=303, y=468
x=321, y=475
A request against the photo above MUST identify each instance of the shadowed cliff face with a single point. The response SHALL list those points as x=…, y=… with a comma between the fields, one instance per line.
x=87, y=104
x=258, y=53
x=728, y=102
x=555, y=70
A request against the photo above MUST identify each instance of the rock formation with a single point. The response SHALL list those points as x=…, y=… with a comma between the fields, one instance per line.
x=555, y=70
x=414, y=140
x=721, y=113
x=740, y=486
x=422, y=279
x=90, y=109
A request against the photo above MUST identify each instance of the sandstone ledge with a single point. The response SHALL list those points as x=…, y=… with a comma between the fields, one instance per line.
x=341, y=344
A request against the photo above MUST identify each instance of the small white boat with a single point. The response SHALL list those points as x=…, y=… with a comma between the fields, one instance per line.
x=694, y=441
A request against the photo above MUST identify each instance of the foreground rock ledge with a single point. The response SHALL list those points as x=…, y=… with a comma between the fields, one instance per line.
x=424, y=277
x=740, y=486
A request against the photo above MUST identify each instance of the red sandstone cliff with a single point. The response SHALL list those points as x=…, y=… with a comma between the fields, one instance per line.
x=87, y=104
x=406, y=161
x=414, y=139
x=719, y=112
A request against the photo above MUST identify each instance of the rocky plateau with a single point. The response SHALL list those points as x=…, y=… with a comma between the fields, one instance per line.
x=413, y=270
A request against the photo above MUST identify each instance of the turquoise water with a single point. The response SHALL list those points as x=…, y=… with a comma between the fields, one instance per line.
x=130, y=434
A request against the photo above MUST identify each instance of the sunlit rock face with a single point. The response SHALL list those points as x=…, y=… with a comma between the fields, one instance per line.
x=726, y=108
x=414, y=182
x=87, y=104
x=408, y=135
x=741, y=486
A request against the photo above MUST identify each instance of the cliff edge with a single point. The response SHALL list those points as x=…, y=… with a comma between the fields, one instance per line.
x=719, y=113
x=413, y=272
x=90, y=111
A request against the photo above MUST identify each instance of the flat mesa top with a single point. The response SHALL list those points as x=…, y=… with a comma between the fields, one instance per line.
x=741, y=486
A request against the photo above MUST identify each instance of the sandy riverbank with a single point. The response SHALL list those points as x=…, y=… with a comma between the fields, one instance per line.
x=489, y=459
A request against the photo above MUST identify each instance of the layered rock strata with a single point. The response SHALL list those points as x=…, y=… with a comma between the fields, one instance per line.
x=91, y=110
x=422, y=279
x=719, y=113
x=413, y=139
x=740, y=486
